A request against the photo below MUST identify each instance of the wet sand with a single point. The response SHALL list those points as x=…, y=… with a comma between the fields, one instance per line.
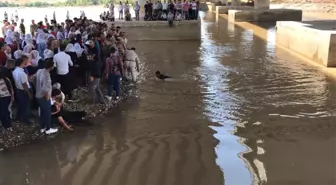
x=239, y=112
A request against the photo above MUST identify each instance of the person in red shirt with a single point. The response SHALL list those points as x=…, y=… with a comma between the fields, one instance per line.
x=3, y=56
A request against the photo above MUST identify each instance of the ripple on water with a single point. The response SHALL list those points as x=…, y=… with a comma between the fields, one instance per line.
x=245, y=83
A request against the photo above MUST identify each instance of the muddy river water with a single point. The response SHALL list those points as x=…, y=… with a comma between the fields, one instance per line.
x=239, y=112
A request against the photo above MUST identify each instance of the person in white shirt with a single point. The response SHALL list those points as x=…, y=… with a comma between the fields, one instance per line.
x=60, y=33
x=62, y=62
x=194, y=9
x=120, y=10
x=178, y=13
x=165, y=8
x=23, y=93
x=41, y=40
x=82, y=14
x=9, y=39
x=131, y=64
x=127, y=12
x=136, y=10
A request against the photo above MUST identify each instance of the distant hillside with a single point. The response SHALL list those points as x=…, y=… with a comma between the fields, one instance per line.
x=306, y=1
x=44, y=3
x=32, y=1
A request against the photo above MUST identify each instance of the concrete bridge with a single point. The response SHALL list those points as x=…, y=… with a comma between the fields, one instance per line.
x=259, y=12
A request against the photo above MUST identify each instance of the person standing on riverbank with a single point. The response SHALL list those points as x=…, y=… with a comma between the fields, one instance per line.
x=6, y=99
x=94, y=73
x=114, y=70
x=43, y=96
x=120, y=10
x=22, y=27
x=41, y=39
x=164, y=9
x=131, y=64
x=194, y=10
x=63, y=62
x=3, y=56
x=23, y=93
x=60, y=33
x=6, y=16
x=137, y=11
x=112, y=9
x=33, y=27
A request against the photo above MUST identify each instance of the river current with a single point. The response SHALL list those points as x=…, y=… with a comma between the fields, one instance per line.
x=239, y=111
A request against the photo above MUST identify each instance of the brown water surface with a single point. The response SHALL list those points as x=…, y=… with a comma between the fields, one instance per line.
x=238, y=112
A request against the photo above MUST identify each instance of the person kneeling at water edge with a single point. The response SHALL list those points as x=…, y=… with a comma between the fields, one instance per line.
x=63, y=117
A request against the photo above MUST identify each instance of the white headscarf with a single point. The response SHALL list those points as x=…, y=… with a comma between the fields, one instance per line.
x=27, y=40
x=35, y=58
x=18, y=54
x=70, y=48
x=78, y=49
x=28, y=48
x=48, y=53
x=9, y=36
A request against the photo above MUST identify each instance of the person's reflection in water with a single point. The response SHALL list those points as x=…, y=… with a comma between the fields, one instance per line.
x=118, y=129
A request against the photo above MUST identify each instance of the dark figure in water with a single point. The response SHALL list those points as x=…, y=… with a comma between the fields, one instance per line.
x=161, y=76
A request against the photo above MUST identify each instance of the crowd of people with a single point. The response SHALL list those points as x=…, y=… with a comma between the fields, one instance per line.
x=176, y=10
x=40, y=69
x=172, y=10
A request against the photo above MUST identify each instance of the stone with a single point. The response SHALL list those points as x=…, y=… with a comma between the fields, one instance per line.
x=270, y=15
x=314, y=40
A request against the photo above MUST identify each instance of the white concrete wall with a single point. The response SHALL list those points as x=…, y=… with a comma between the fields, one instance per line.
x=262, y=4
x=317, y=45
x=266, y=15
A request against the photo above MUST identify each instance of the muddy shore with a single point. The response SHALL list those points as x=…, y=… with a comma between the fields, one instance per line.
x=24, y=134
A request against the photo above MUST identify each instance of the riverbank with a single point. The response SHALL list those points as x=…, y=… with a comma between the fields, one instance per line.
x=24, y=134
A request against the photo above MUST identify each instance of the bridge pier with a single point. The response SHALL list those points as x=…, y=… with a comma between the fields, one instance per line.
x=260, y=12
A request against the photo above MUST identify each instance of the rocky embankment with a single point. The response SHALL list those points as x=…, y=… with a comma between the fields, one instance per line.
x=322, y=6
x=23, y=134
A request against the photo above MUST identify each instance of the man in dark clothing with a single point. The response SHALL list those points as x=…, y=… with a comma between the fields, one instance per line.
x=8, y=70
x=146, y=11
x=95, y=73
x=3, y=56
x=22, y=27
x=150, y=10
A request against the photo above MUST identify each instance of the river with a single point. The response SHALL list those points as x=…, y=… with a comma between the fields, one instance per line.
x=239, y=112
